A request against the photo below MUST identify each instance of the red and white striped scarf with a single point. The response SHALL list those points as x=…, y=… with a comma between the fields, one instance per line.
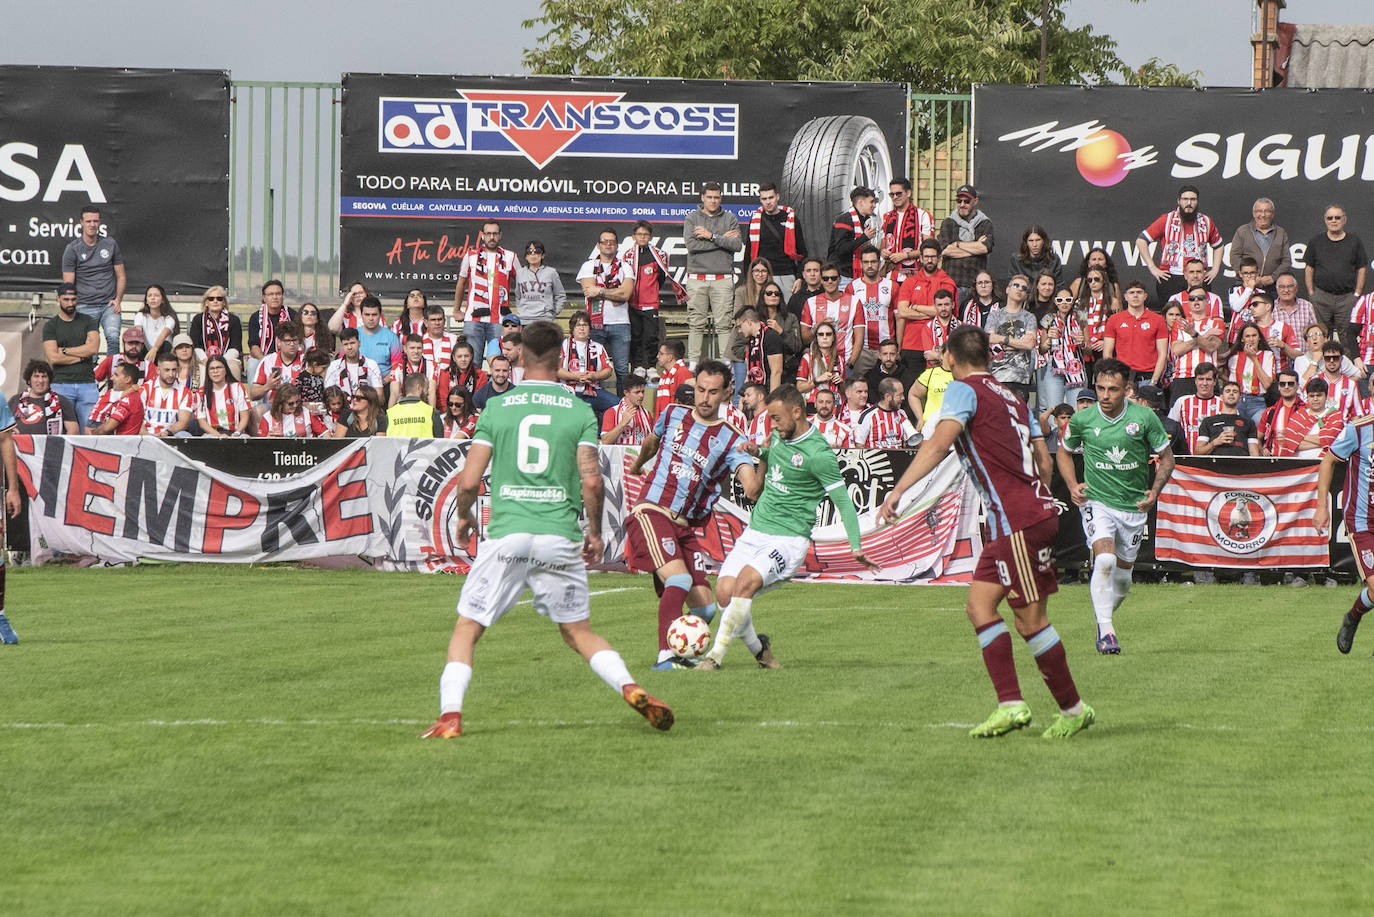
x=491, y=276
x=789, y=234
x=216, y=332
x=855, y=225
x=267, y=326
x=630, y=260
x=606, y=277
x=48, y=411
x=1066, y=359
x=1174, y=254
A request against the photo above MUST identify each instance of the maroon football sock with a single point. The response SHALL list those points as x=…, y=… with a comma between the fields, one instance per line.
x=1054, y=666
x=669, y=610
x=996, y=643
x=1362, y=601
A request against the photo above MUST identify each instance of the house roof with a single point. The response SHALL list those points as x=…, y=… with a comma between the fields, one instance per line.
x=1331, y=57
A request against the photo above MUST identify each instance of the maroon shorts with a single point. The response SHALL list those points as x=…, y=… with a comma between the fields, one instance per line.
x=1362, y=546
x=652, y=539
x=1022, y=563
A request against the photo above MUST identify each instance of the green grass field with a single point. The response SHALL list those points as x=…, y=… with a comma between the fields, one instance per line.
x=244, y=741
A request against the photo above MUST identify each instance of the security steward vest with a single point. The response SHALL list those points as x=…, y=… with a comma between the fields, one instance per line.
x=410, y=417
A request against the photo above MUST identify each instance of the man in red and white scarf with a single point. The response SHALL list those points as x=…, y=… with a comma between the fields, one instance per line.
x=855, y=231
x=608, y=284
x=413, y=360
x=352, y=369
x=904, y=226
x=40, y=410
x=135, y=351
x=485, y=280
x=438, y=343
x=628, y=423
x=775, y=234
x=1194, y=342
x=167, y=407
x=828, y=423
x=265, y=324
x=1184, y=233
x=647, y=267
x=672, y=372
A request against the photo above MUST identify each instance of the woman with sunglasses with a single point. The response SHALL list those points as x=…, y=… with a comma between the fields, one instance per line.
x=460, y=418
x=1061, y=351
x=821, y=366
x=1251, y=365
x=216, y=331
x=349, y=314
x=224, y=409
x=1098, y=259
x=366, y=416
x=1096, y=300
x=538, y=288
x=772, y=307
x=158, y=321
x=288, y=417
x=313, y=332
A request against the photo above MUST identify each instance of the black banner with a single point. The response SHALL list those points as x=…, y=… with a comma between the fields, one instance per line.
x=1095, y=166
x=425, y=159
x=150, y=147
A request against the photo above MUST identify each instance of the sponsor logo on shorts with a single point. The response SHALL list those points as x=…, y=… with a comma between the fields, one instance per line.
x=533, y=494
x=779, y=562
x=1368, y=557
x=1241, y=521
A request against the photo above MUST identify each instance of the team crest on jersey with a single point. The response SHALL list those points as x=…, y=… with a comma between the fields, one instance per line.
x=1368, y=557
x=797, y=459
x=1132, y=428
x=1241, y=521
x=669, y=545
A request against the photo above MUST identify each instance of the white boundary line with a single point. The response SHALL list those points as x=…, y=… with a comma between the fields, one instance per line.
x=765, y=724
x=595, y=592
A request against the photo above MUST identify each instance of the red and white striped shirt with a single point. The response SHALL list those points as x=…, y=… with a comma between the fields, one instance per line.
x=439, y=351
x=300, y=425
x=490, y=276
x=881, y=429
x=835, y=431
x=1095, y=323
x=1344, y=393
x=403, y=368
x=404, y=327
x=733, y=416
x=1185, y=366
x=582, y=357
x=806, y=373
x=676, y=375
x=1214, y=307
x=289, y=371
x=162, y=406
x=639, y=427
x=876, y=309
x=760, y=428
x=460, y=429
x=1363, y=315
x=1189, y=412
x=1244, y=370
x=222, y=408
x=107, y=365
x=1182, y=242
x=843, y=313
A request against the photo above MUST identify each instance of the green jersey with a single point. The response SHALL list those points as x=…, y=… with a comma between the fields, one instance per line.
x=1116, y=452
x=534, y=431
x=800, y=473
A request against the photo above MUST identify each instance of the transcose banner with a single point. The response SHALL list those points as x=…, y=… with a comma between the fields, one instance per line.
x=1095, y=166
x=425, y=159
x=150, y=147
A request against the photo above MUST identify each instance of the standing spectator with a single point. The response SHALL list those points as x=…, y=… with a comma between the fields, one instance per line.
x=120, y=410
x=93, y=263
x=412, y=317
x=712, y=237
x=1185, y=233
x=223, y=408
x=763, y=350
x=916, y=304
x=1012, y=337
x=983, y=301
x=855, y=232
x=776, y=236
x=1136, y=337
x=351, y=369
x=1036, y=256
x=822, y=366
x=649, y=268
x=216, y=330
x=1041, y=302
x=810, y=285
x=1264, y=241
x=38, y=409
x=1195, y=275
x=376, y=342
x=628, y=423
x=608, y=287
x=1293, y=311
x=828, y=423
x=583, y=368
x=1195, y=341
x=1251, y=365
x=874, y=298
x=904, y=226
x=540, y=292
x=135, y=351
x=748, y=293
x=776, y=316
x=1061, y=344
x=264, y=324
x=1278, y=336
x=157, y=320
x=483, y=292
x=1240, y=295
x=1228, y=432
x=288, y=416
x=1337, y=265
x=70, y=340
x=928, y=394
x=414, y=416
x=348, y=315
x=940, y=327
x=460, y=417
x=1096, y=300
x=315, y=334
x=966, y=240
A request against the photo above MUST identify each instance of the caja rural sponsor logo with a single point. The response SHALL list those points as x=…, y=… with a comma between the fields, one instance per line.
x=544, y=125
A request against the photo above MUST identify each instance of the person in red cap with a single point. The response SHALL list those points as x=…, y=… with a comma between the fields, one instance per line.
x=135, y=351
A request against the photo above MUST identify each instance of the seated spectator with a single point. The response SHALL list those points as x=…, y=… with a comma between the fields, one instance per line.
x=889, y=367
x=854, y=403
x=366, y=416
x=1288, y=411
x=412, y=360
x=167, y=407
x=1311, y=364
x=135, y=350
x=314, y=334
x=1190, y=410
x=1326, y=425
x=38, y=409
x=216, y=330
x=827, y=421
x=413, y=416
x=584, y=367
x=510, y=324
x=288, y=417
x=335, y=407
x=189, y=368
x=1228, y=432
x=283, y=364
x=412, y=317
x=462, y=370
x=376, y=342
x=885, y=424
x=822, y=366
x=498, y=384
x=511, y=348
x=223, y=408
x=1251, y=365
x=157, y=320
x=460, y=417
x=1342, y=389
x=120, y=409
x=983, y=300
x=628, y=423
x=352, y=369
x=311, y=379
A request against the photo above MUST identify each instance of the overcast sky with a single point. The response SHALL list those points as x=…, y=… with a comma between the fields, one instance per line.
x=309, y=40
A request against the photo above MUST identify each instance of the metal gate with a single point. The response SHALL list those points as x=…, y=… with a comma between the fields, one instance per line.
x=941, y=149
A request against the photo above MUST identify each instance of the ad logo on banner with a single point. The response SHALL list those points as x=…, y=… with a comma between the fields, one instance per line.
x=1103, y=156
x=541, y=125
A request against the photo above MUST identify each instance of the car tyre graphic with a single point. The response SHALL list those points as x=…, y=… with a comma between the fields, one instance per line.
x=827, y=158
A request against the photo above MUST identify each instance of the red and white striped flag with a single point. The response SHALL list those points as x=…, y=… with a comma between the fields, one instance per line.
x=1210, y=519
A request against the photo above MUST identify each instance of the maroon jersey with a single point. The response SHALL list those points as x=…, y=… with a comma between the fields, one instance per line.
x=995, y=449
x=694, y=458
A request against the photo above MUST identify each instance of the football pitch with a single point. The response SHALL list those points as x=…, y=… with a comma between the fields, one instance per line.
x=231, y=740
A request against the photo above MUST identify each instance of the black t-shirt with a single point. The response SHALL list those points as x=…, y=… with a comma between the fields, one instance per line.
x=797, y=304
x=71, y=334
x=1335, y=264
x=772, y=242
x=875, y=376
x=1212, y=427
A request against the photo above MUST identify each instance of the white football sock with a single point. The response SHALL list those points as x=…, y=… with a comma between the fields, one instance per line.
x=611, y=668
x=665, y=654
x=1121, y=584
x=1101, y=591
x=749, y=636
x=453, y=684
x=732, y=618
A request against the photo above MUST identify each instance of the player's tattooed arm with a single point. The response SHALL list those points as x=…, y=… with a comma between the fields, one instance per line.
x=1163, y=472
x=593, y=491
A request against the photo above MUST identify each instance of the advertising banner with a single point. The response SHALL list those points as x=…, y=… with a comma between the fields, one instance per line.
x=391, y=503
x=150, y=147
x=1095, y=166
x=425, y=159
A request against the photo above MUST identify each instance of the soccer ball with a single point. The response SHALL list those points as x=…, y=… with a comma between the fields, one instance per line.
x=689, y=636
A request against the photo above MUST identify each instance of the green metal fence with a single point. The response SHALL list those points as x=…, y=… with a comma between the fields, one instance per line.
x=283, y=189
x=941, y=149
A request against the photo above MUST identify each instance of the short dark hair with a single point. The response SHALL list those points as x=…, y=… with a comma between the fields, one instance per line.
x=644, y=224
x=633, y=381
x=860, y=192
x=541, y=342
x=486, y=223
x=904, y=182
x=931, y=243
x=1136, y=285
x=831, y=266
x=1333, y=346
x=714, y=368
x=607, y=229
x=788, y=395
x=274, y=282
x=943, y=293
x=968, y=346
x=886, y=342
x=747, y=314
x=676, y=347
x=767, y=186
x=1111, y=366
x=889, y=386
x=1230, y=382
x=37, y=366
x=90, y=208
x=132, y=370
x=1204, y=369
x=710, y=186
x=290, y=329
x=317, y=357
x=348, y=334
x=370, y=302
x=436, y=309
x=1317, y=385
x=749, y=386
x=166, y=357
x=414, y=338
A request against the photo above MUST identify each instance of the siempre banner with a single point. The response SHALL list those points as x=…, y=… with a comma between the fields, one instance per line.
x=151, y=147
x=425, y=159
x=391, y=503
x=1207, y=518
x=1095, y=166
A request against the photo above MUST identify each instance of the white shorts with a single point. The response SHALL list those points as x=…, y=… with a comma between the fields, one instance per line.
x=550, y=565
x=1124, y=529
x=775, y=557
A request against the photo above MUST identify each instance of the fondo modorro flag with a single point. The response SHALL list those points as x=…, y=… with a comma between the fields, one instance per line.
x=1210, y=519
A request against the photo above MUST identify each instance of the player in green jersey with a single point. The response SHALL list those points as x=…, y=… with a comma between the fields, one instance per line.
x=529, y=436
x=1117, y=438
x=797, y=470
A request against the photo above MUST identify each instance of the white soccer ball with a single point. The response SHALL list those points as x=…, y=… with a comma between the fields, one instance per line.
x=689, y=636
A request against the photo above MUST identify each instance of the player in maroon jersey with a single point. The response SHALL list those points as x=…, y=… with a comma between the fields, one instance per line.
x=1004, y=455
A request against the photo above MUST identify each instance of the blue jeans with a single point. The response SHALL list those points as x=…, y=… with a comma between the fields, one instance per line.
x=108, y=321
x=741, y=373
x=600, y=403
x=616, y=340
x=1053, y=389
x=82, y=395
x=478, y=333
x=1251, y=406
